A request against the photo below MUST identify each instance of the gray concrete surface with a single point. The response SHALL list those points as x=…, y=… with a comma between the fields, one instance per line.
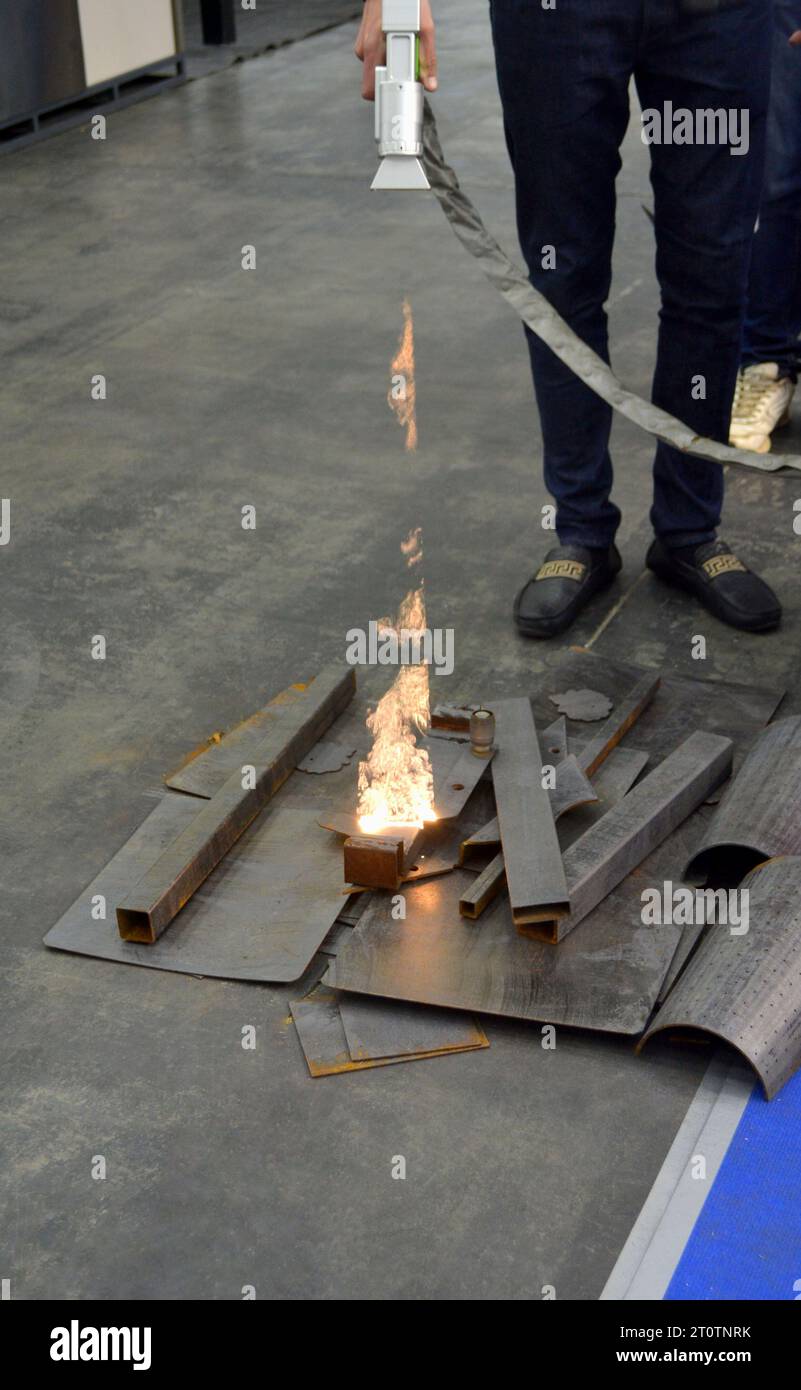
x=225, y=387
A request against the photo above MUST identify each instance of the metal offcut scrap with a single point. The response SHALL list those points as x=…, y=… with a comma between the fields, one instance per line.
x=584, y=705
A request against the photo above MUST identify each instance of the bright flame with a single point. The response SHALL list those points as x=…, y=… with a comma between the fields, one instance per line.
x=402, y=392
x=396, y=783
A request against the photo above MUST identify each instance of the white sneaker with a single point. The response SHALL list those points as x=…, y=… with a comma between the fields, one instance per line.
x=761, y=403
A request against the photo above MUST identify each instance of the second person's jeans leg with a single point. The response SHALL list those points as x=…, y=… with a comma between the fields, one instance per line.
x=563, y=76
x=773, y=319
x=705, y=206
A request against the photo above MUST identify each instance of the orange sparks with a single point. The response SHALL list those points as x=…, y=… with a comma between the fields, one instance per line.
x=412, y=548
x=396, y=783
x=401, y=394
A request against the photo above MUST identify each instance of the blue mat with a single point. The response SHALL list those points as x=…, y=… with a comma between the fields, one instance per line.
x=746, y=1244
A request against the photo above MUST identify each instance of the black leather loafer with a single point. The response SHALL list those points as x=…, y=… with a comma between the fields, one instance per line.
x=563, y=585
x=724, y=585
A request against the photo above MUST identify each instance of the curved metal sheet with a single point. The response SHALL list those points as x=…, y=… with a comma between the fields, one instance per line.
x=746, y=989
x=759, y=816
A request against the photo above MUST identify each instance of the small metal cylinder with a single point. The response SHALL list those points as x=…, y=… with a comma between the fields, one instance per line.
x=482, y=732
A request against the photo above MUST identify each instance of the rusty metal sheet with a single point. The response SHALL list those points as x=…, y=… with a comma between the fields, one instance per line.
x=353, y=909
x=326, y=756
x=167, y=885
x=453, y=787
x=457, y=772
x=338, y=933
x=759, y=816
x=389, y=1028
x=746, y=988
x=260, y=915
x=325, y=1045
x=605, y=976
x=736, y=711
x=554, y=740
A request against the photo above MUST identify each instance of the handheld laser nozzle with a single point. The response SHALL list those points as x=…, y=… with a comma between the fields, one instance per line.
x=399, y=100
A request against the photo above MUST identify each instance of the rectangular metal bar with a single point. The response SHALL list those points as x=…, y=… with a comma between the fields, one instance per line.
x=534, y=872
x=374, y=862
x=169, y=884
x=620, y=840
x=206, y=768
x=625, y=713
x=260, y=915
x=490, y=882
x=612, y=781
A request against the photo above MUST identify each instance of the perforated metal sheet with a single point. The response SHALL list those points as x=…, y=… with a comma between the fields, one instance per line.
x=746, y=989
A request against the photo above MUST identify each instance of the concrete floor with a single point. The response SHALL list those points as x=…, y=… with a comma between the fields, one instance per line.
x=224, y=1167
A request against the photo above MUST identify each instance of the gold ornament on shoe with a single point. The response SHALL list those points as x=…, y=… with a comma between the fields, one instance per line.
x=560, y=569
x=722, y=564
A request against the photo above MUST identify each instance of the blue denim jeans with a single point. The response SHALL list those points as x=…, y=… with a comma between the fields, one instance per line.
x=564, y=77
x=773, y=318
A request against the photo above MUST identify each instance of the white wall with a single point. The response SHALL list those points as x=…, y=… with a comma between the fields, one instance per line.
x=119, y=36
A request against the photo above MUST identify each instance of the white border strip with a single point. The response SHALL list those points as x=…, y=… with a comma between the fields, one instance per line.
x=649, y=1258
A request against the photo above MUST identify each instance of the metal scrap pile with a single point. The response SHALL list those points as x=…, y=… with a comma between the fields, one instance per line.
x=560, y=882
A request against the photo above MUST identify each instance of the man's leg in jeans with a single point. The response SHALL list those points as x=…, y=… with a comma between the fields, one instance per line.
x=773, y=317
x=563, y=77
x=705, y=205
